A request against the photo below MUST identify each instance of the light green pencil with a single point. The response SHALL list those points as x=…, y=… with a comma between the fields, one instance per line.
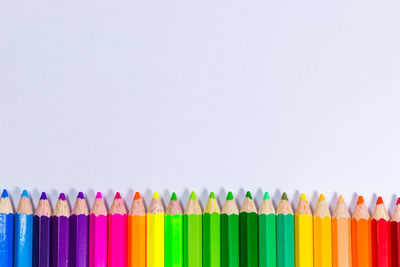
x=173, y=222
x=266, y=233
x=192, y=237
x=212, y=233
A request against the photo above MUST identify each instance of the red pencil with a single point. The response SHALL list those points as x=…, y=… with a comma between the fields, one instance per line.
x=380, y=236
x=396, y=235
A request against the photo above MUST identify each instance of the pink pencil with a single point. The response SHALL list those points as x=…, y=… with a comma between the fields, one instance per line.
x=117, y=228
x=98, y=233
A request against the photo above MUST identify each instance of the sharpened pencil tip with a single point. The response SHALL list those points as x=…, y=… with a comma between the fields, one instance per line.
x=379, y=201
x=321, y=197
x=284, y=196
x=173, y=196
x=340, y=199
x=303, y=197
x=156, y=195
x=360, y=200
x=25, y=194
x=266, y=196
x=43, y=196
x=193, y=196
x=62, y=197
x=137, y=196
x=117, y=196
x=4, y=194
x=99, y=195
x=229, y=196
x=80, y=195
x=212, y=195
x=248, y=195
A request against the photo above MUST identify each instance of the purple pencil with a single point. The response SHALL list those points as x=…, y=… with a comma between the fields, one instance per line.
x=80, y=233
x=41, y=233
x=60, y=233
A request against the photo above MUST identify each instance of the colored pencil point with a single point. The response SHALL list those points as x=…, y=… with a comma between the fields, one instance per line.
x=173, y=233
x=284, y=233
x=322, y=234
x=155, y=233
x=80, y=233
x=212, y=233
x=248, y=225
x=137, y=233
x=42, y=233
x=117, y=230
x=192, y=236
x=230, y=233
x=341, y=235
x=361, y=235
x=303, y=223
x=6, y=230
x=380, y=236
x=23, y=237
x=266, y=233
x=98, y=233
x=60, y=236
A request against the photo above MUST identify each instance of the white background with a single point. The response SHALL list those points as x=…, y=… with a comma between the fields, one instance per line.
x=296, y=96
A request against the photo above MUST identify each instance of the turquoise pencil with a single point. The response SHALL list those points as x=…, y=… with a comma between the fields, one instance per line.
x=23, y=232
x=6, y=231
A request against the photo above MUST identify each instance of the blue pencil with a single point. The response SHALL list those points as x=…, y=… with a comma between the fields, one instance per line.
x=23, y=232
x=6, y=231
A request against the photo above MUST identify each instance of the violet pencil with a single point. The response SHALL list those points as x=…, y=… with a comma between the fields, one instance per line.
x=80, y=233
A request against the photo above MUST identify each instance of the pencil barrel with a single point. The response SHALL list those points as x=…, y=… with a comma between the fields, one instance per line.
x=248, y=239
x=229, y=240
x=6, y=239
x=41, y=241
x=79, y=240
x=341, y=242
x=192, y=240
x=23, y=240
x=211, y=240
x=395, y=237
x=60, y=241
x=380, y=241
x=361, y=242
x=303, y=240
x=97, y=241
x=285, y=240
x=267, y=240
x=155, y=240
x=174, y=240
x=136, y=247
x=322, y=242
x=117, y=227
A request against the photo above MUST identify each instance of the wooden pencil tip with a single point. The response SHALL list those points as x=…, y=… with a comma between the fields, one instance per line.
x=193, y=196
x=303, y=197
x=173, y=196
x=379, y=201
x=62, y=197
x=212, y=195
x=284, y=196
x=156, y=195
x=43, y=196
x=117, y=196
x=99, y=195
x=4, y=194
x=137, y=196
x=230, y=196
x=248, y=195
x=321, y=197
x=266, y=196
x=25, y=194
x=340, y=199
x=360, y=200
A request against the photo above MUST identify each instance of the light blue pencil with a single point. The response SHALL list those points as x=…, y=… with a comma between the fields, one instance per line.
x=6, y=231
x=23, y=232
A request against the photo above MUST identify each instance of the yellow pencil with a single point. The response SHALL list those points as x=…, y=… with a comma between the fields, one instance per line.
x=303, y=234
x=322, y=234
x=155, y=233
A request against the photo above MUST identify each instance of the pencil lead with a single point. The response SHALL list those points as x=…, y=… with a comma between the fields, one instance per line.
x=379, y=201
x=248, y=195
x=212, y=195
x=173, y=196
x=284, y=196
x=156, y=195
x=137, y=196
x=25, y=194
x=340, y=199
x=80, y=195
x=266, y=196
x=398, y=201
x=229, y=196
x=117, y=196
x=321, y=197
x=193, y=196
x=360, y=200
x=62, y=197
x=303, y=197
x=43, y=196
x=4, y=194
x=99, y=195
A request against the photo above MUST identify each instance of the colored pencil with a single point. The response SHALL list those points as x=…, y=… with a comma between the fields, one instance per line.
x=266, y=233
x=42, y=233
x=303, y=234
x=380, y=236
x=173, y=233
x=60, y=234
x=136, y=233
x=361, y=235
x=80, y=233
x=23, y=238
x=248, y=225
x=212, y=233
x=284, y=233
x=230, y=233
x=98, y=233
x=341, y=235
x=6, y=230
x=155, y=233
x=117, y=229
x=395, y=231
x=322, y=234
x=192, y=233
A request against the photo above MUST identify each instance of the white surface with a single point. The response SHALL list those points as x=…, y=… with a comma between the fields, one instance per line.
x=213, y=95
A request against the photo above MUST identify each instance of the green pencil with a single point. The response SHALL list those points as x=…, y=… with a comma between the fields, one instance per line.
x=192, y=237
x=284, y=233
x=267, y=233
x=212, y=233
x=248, y=233
x=230, y=233
x=173, y=222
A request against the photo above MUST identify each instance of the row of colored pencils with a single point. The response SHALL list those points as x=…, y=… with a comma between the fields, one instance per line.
x=193, y=238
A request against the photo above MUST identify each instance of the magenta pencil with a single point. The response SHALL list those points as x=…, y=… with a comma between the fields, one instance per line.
x=60, y=233
x=98, y=233
x=117, y=228
x=80, y=233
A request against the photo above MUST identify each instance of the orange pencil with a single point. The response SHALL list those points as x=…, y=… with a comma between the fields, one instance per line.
x=341, y=235
x=361, y=235
x=137, y=233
